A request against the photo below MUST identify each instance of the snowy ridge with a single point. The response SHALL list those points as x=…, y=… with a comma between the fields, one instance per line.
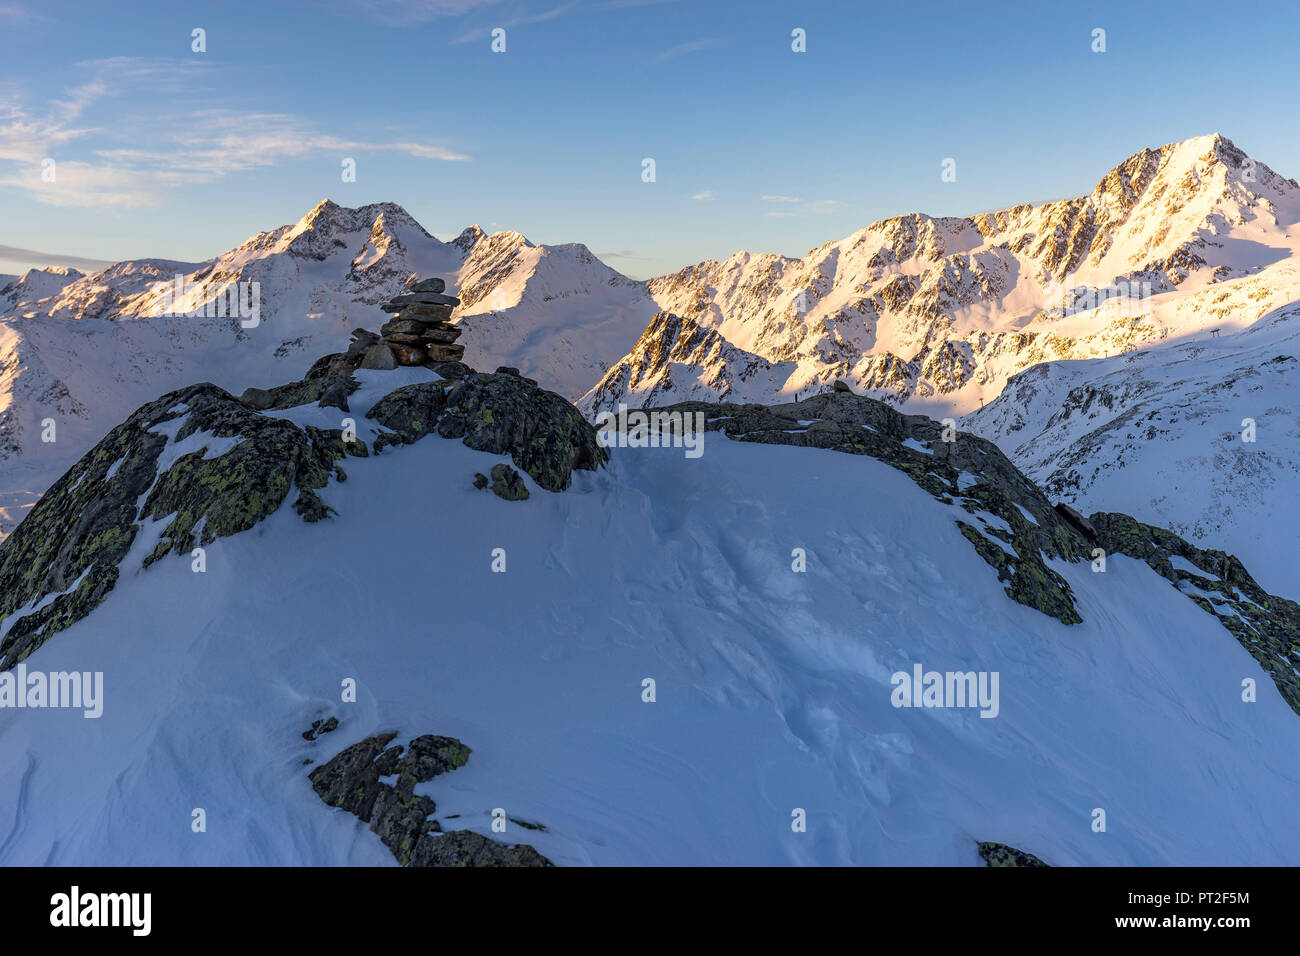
x=775, y=689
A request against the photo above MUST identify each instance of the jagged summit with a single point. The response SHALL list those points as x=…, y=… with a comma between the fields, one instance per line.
x=939, y=311
x=468, y=238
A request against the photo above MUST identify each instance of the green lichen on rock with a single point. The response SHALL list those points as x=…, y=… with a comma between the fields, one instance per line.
x=402, y=819
x=508, y=484
x=955, y=467
x=78, y=531
x=317, y=387
x=409, y=412
x=1028, y=582
x=1266, y=625
x=1001, y=855
x=467, y=848
x=83, y=527
x=507, y=415
x=504, y=414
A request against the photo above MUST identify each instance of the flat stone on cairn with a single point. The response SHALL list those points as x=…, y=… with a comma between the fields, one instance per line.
x=421, y=331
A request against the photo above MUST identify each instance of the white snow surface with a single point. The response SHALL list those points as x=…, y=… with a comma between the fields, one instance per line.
x=773, y=687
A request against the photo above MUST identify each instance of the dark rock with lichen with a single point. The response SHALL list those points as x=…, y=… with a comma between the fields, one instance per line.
x=507, y=483
x=543, y=433
x=72, y=542
x=1267, y=626
x=402, y=819
x=330, y=390
x=409, y=413
x=999, y=854
x=319, y=727
x=503, y=414
x=467, y=848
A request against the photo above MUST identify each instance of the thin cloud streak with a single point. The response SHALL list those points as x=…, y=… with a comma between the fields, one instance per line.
x=684, y=49
x=80, y=263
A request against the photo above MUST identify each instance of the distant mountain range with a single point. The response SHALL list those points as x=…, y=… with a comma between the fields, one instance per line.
x=1174, y=280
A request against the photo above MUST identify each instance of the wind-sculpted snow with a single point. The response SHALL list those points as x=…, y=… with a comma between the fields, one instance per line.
x=951, y=466
x=1012, y=525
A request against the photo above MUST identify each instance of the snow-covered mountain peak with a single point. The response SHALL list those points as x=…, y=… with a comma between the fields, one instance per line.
x=468, y=238
x=329, y=226
x=35, y=284
x=938, y=311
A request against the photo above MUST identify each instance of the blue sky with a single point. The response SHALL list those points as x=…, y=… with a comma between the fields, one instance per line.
x=161, y=151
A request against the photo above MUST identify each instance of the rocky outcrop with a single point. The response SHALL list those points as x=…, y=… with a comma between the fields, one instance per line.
x=402, y=819
x=1267, y=626
x=322, y=726
x=999, y=854
x=507, y=484
x=499, y=413
x=195, y=458
x=326, y=389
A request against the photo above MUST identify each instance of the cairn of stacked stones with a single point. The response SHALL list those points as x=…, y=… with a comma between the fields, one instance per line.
x=419, y=333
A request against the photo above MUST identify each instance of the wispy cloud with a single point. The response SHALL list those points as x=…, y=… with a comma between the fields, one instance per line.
x=79, y=99
x=822, y=206
x=18, y=11
x=814, y=206
x=627, y=4
x=401, y=13
x=623, y=254
x=692, y=46
x=14, y=254
x=707, y=196
x=185, y=147
x=479, y=32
